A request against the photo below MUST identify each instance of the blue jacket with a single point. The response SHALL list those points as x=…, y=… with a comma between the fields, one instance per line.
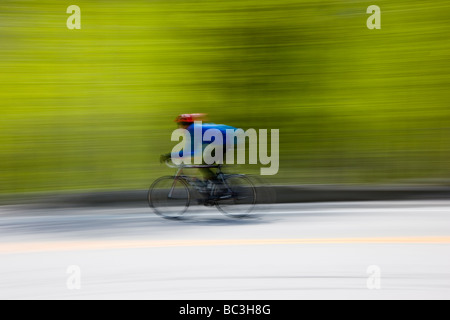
x=205, y=127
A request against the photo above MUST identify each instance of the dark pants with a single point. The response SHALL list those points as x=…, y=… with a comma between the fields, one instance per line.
x=208, y=173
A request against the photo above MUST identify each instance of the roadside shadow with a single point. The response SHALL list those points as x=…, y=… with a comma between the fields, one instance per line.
x=222, y=220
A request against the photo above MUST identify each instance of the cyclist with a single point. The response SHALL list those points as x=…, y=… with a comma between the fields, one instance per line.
x=187, y=122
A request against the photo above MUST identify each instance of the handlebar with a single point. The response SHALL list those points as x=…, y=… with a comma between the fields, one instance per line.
x=170, y=164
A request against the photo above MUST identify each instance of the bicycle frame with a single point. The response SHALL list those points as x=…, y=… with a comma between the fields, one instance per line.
x=181, y=167
x=220, y=193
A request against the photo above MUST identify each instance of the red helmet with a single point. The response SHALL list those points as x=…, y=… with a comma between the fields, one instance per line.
x=189, y=117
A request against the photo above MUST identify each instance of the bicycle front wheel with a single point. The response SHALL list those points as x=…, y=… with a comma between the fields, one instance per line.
x=169, y=197
x=239, y=198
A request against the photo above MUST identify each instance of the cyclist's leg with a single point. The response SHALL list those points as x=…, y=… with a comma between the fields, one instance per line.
x=215, y=182
x=207, y=174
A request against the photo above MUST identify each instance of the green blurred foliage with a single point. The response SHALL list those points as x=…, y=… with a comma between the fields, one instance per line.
x=94, y=108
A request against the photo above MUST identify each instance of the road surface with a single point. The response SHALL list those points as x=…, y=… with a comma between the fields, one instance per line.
x=359, y=250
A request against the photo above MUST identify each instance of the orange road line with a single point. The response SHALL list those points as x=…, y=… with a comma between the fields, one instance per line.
x=18, y=247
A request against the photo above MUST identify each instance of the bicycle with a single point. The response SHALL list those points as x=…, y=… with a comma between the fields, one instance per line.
x=232, y=194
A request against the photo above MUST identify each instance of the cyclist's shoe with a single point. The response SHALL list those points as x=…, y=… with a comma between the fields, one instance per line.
x=220, y=194
x=226, y=196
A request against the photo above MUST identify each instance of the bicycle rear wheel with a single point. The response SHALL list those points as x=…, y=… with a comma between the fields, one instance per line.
x=239, y=198
x=169, y=197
